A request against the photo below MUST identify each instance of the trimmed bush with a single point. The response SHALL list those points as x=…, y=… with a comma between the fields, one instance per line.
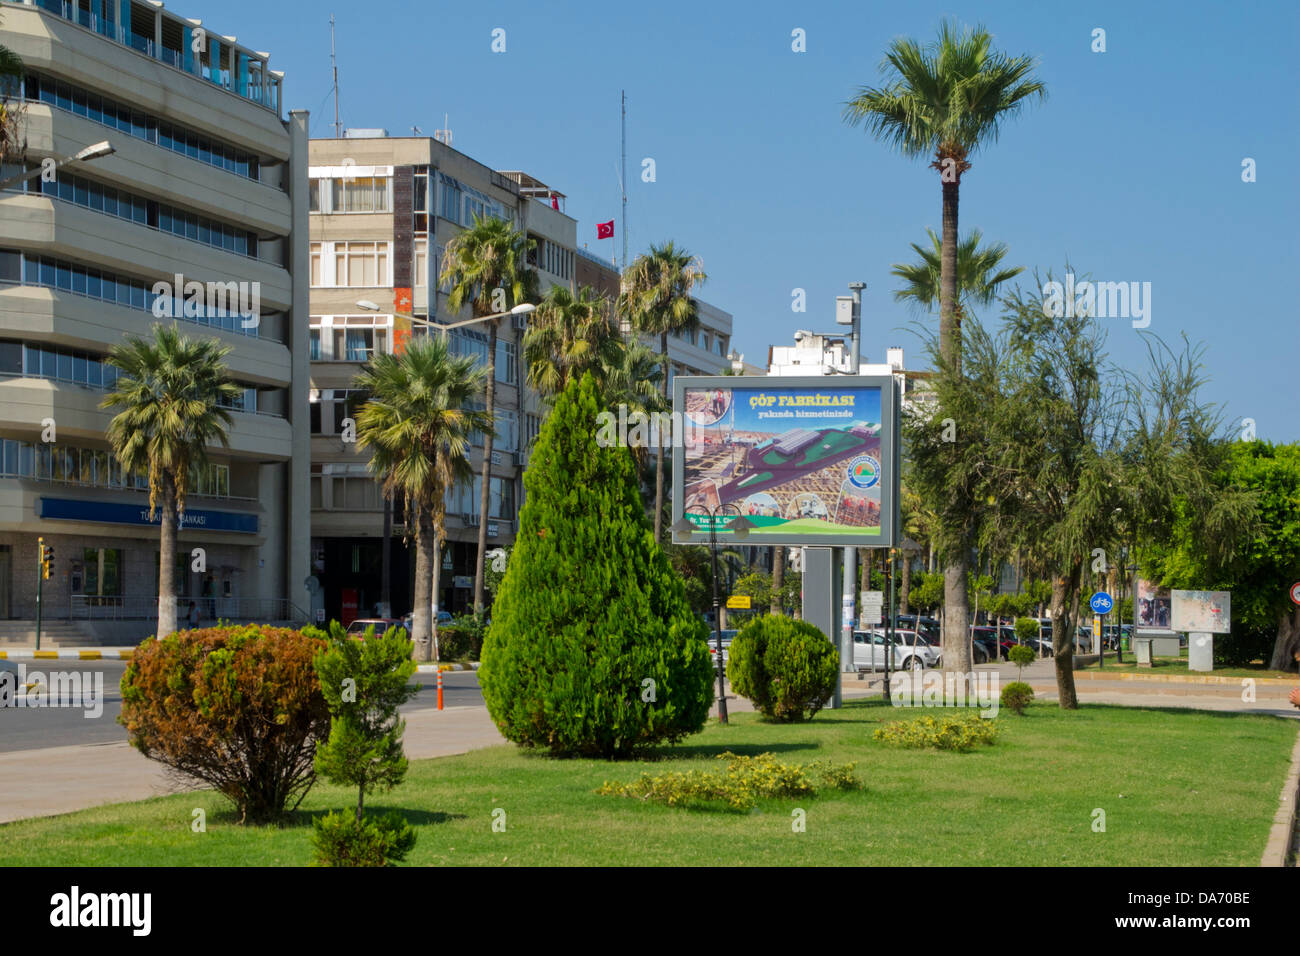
x=1016, y=696
x=786, y=668
x=237, y=708
x=1021, y=655
x=943, y=733
x=745, y=781
x=1027, y=628
x=593, y=649
x=341, y=840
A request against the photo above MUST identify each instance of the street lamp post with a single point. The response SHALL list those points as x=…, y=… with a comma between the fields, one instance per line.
x=523, y=308
x=96, y=151
x=739, y=526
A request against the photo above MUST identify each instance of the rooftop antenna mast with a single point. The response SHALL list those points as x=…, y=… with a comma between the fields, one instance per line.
x=623, y=184
x=338, y=130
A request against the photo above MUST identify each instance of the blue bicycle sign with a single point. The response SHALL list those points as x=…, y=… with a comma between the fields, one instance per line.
x=1101, y=603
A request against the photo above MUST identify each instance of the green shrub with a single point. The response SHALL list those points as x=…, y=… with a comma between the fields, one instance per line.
x=340, y=840
x=471, y=630
x=1027, y=628
x=237, y=708
x=453, y=643
x=1016, y=696
x=745, y=781
x=943, y=733
x=786, y=668
x=593, y=649
x=1020, y=655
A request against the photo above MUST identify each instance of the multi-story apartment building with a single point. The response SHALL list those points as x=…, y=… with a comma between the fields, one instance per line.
x=383, y=209
x=702, y=352
x=207, y=186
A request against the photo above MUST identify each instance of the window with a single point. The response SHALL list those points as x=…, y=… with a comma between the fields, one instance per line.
x=313, y=195
x=361, y=264
x=359, y=194
x=359, y=345
x=507, y=364
x=501, y=498
x=420, y=271
x=532, y=427
x=507, y=431
x=315, y=263
x=103, y=572
x=313, y=339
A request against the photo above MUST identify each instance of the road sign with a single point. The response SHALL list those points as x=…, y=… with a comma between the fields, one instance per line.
x=739, y=602
x=873, y=602
x=1096, y=626
x=1101, y=603
x=1295, y=592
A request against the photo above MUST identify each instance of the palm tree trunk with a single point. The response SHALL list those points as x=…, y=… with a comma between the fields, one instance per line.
x=421, y=632
x=167, y=561
x=659, y=462
x=778, y=578
x=956, y=638
x=434, y=591
x=485, y=495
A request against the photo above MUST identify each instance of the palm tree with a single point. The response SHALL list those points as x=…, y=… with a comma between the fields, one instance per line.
x=11, y=68
x=630, y=377
x=568, y=335
x=656, y=297
x=947, y=99
x=978, y=273
x=170, y=391
x=417, y=424
x=489, y=256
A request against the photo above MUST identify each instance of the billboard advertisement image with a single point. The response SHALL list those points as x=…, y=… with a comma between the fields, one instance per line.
x=807, y=461
x=1202, y=612
x=1153, y=608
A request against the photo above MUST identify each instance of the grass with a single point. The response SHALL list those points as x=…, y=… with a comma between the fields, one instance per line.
x=1178, y=787
x=1169, y=665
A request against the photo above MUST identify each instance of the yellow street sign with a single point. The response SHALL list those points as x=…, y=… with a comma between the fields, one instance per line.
x=1096, y=626
x=738, y=602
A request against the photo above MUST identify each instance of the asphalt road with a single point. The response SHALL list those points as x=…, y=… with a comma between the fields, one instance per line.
x=22, y=728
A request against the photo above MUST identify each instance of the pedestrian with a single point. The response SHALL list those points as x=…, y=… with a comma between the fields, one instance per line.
x=1295, y=694
x=193, y=615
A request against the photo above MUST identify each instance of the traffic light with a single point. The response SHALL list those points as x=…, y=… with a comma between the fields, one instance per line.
x=47, y=559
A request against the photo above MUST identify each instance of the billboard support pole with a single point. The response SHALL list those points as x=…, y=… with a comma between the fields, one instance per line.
x=819, y=602
x=851, y=554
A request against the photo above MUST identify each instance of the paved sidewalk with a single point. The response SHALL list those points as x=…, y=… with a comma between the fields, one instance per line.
x=67, y=654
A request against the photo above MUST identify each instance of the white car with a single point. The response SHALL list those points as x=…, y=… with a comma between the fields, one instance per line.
x=911, y=651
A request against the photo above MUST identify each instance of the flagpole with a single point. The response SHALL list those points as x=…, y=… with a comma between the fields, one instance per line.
x=623, y=178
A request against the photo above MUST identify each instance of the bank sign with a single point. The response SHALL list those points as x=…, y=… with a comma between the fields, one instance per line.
x=806, y=460
x=71, y=509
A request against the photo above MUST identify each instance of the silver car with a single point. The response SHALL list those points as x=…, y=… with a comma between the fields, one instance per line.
x=911, y=651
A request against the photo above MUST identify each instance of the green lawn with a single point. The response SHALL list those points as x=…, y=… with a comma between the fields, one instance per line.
x=1178, y=787
x=1170, y=665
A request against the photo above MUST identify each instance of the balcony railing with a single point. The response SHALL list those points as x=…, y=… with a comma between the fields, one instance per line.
x=142, y=608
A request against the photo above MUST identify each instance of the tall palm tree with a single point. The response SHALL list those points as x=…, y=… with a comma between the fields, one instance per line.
x=630, y=377
x=947, y=99
x=417, y=424
x=491, y=255
x=978, y=273
x=170, y=391
x=567, y=336
x=656, y=297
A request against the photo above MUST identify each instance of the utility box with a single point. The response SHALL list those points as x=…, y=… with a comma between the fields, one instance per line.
x=1142, y=647
x=1200, y=652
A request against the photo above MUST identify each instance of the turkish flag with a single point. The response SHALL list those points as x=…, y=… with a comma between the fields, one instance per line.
x=605, y=230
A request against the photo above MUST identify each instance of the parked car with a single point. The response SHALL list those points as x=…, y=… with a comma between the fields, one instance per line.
x=994, y=640
x=381, y=624
x=444, y=618
x=911, y=650
x=927, y=626
x=727, y=637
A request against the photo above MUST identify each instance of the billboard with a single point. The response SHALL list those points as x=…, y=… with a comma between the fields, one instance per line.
x=807, y=460
x=1153, y=608
x=1201, y=612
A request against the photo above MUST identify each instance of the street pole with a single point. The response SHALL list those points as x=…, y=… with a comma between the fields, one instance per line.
x=849, y=595
x=717, y=619
x=40, y=579
x=385, y=572
x=889, y=628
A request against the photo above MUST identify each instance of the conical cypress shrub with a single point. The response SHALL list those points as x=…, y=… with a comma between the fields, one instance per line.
x=593, y=649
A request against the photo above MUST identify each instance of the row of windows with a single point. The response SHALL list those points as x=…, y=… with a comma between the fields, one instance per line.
x=330, y=406
x=709, y=341
x=356, y=265
x=466, y=497
x=141, y=125
x=148, y=212
x=93, y=466
x=353, y=194
x=460, y=203
x=51, y=273
x=475, y=344
x=83, y=368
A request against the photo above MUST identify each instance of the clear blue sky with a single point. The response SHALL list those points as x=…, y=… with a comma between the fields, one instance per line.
x=1131, y=169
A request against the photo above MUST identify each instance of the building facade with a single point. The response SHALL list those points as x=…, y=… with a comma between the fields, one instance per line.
x=198, y=217
x=382, y=212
